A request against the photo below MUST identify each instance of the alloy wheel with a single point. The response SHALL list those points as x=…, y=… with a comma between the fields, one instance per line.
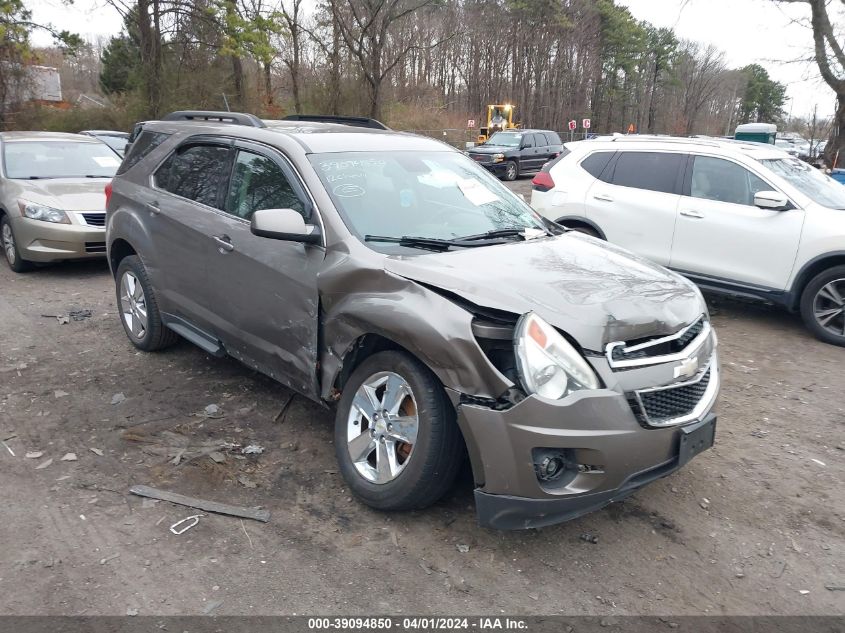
x=133, y=305
x=9, y=244
x=382, y=427
x=511, y=171
x=829, y=307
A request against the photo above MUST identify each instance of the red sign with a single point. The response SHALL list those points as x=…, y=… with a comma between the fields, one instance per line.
x=585, y=124
x=572, y=125
x=470, y=123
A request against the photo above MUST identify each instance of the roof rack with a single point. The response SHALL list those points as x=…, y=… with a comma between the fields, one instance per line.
x=356, y=121
x=650, y=138
x=235, y=118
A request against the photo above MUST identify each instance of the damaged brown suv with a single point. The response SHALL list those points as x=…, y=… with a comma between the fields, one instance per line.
x=389, y=276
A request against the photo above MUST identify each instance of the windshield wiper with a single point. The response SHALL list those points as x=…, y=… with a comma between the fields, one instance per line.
x=426, y=243
x=498, y=233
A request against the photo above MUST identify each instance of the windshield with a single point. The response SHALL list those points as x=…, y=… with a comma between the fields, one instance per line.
x=58, y=159
x=506, y=139
x=820, y=188
x=439, y=195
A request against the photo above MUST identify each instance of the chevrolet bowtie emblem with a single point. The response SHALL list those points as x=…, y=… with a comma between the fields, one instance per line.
x=687, y=368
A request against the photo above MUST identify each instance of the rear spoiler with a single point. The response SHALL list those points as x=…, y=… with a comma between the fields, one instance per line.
x=355, y=121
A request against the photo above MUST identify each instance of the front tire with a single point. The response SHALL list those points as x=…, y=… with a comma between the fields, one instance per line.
x=10, y=247
x=511, y=171
x=396, y=439
x=138, y=308
x=823, y=306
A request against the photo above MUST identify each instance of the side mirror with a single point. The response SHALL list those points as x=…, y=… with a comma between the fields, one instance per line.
x=771, y=200
x=284, y=224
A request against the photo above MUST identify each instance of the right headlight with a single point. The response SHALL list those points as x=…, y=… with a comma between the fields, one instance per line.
x=44, y=213
x=548, y=364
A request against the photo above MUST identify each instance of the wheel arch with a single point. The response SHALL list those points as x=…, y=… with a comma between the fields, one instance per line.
x=119, y=249
x=575, y=220
x=811, y=269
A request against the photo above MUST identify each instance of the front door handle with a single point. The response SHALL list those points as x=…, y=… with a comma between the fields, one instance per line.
x=691, y=213
x=153, y=208
x=224, y=243
x=604, y=197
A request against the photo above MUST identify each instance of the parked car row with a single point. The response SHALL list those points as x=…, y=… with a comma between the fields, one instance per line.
x=394, y=278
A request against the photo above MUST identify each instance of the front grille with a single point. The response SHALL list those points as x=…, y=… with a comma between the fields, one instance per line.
x=95, y=219
x=629, y=352
x=95, y=247
x=657, y=407
x=481, y=158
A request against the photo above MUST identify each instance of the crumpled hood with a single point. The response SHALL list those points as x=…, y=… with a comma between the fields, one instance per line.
x=68, y=194
x=595, y=292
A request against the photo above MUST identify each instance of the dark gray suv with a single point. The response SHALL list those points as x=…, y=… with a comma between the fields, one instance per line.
x=391, y=277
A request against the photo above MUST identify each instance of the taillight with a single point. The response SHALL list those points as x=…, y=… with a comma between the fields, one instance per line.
x=108, y=193
x=543, y=181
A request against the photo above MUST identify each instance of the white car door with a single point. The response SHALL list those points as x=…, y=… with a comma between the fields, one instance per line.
x=635, y=202
x=721, y=234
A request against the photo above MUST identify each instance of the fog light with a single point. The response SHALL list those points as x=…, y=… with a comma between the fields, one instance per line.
x=549, y=468
x=549, y=465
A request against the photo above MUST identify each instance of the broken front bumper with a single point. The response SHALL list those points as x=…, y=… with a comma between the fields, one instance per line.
x=608, y=452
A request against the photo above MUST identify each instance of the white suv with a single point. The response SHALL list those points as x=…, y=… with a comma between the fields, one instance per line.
x=740, y=218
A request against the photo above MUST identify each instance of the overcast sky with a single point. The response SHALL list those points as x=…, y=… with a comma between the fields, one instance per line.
x=747, y=31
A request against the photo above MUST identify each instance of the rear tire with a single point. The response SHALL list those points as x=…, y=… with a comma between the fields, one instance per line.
x=138, y=308
x=391, y=397
x=10, y=247
x=823, y=306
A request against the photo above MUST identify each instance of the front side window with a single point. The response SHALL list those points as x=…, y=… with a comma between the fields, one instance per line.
x=820, y=188
x=528, y=141
x=441, y=195
x=32, y=160
x=196, y=173
x=258, y=182
x=724, y=181
x=654, y=171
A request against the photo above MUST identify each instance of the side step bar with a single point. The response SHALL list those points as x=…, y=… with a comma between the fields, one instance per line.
x=198, y=337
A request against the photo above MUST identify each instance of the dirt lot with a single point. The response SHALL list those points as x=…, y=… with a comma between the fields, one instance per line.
x=754, y=526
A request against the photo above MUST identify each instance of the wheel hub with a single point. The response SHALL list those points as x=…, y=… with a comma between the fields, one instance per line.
x=382, y=427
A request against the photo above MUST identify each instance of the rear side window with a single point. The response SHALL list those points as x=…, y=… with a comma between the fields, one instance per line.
x=143, y=145
x=596, y=163
x=653, y=171
x=259, y=183
x=552, y=138
x=197, y=173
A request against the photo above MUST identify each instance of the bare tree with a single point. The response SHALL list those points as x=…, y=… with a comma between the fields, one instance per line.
x=365, y=27
x=830, y=58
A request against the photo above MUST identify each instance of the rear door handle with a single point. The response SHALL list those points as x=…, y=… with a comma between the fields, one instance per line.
x=224, y=242
x=153, y=208
x=691, y=213
x=603, y=196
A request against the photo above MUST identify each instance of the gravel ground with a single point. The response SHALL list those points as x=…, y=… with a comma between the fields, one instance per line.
x=753, y=526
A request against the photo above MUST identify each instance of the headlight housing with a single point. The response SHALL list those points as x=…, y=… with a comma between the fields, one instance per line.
x=44, y=213
x=498, y=158
x=548, y=364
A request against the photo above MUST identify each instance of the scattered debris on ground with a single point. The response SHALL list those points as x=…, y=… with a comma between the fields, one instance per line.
x=201, y=504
